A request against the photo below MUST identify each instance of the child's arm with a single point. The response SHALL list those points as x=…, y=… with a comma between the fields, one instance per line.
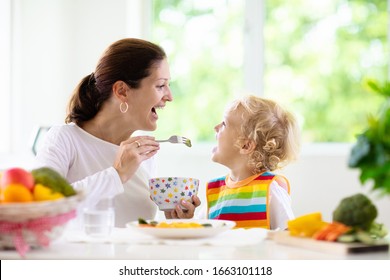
x=280, y=207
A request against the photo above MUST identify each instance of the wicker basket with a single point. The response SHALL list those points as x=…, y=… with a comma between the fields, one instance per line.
x=35, y=224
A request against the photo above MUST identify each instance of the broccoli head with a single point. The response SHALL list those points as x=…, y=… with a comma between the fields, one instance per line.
x=356, y=211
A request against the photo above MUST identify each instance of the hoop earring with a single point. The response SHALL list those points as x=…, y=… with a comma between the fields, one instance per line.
x=126, y=107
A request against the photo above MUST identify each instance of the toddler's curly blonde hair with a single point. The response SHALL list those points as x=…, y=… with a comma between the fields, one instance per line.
x=273, y=129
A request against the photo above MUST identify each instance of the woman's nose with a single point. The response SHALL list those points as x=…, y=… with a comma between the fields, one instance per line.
x=168, y=94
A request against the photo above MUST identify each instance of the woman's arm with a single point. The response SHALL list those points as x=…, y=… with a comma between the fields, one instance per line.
x=58, y=153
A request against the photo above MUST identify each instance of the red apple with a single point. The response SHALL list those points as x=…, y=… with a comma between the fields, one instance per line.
x=17, y=175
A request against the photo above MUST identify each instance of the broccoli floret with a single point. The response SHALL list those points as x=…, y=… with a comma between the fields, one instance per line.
x=356, y=211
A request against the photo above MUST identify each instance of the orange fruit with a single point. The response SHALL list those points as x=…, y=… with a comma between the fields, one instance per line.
x=42, y=193
x=16, y=193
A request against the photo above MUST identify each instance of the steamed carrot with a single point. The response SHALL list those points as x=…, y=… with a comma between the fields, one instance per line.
x=331, y=231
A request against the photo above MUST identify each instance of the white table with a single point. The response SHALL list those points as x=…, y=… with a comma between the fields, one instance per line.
x=261, y=249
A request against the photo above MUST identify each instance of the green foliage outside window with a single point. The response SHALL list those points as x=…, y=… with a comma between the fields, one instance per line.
x=317, y=53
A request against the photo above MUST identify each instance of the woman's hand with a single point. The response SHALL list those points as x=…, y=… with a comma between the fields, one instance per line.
x=132, y=152
x=187, y=213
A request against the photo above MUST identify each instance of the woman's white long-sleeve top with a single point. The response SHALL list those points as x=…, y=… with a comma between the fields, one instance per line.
x=87, y=163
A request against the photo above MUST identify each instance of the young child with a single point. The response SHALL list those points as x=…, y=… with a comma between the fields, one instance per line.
x=255, y=138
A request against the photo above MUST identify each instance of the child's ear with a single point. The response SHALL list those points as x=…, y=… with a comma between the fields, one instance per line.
x=248, y=147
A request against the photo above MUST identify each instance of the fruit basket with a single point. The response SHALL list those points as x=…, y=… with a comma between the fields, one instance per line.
x=35, y=224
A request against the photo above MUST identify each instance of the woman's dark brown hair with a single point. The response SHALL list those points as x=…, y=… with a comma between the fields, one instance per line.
x=127, y=60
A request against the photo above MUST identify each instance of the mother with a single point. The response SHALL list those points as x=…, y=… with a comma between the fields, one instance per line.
x=96, y=150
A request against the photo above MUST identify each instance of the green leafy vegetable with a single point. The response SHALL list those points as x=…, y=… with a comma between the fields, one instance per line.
x=142, y=221
x=188, y=143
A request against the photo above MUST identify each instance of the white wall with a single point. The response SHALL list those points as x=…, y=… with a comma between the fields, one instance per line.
x=319, y=179
x=55, y=43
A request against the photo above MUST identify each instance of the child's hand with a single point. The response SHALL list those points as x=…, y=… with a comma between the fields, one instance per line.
x=187, y=213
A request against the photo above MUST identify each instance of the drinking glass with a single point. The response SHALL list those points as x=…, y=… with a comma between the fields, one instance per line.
x=99, y=219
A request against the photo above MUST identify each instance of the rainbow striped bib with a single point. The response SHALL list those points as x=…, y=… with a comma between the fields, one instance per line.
x=246, y=204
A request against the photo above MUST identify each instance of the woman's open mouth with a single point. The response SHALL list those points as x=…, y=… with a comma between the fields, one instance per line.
x=154, y=111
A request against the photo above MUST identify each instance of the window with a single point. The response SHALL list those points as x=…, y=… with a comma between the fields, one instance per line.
x=310, y=55
x=316, y=57
x=203, y=41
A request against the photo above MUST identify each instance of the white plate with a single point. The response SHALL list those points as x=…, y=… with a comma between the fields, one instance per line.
x=217, y=226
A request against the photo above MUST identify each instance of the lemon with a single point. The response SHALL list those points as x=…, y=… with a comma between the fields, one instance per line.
x=42, y=193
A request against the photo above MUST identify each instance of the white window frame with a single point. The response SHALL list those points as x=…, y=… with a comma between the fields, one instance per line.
x=254, y=46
